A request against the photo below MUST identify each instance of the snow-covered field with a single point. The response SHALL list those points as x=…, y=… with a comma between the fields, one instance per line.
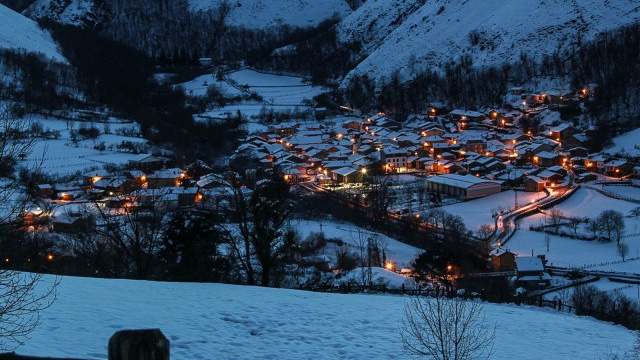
x=258, y=14
x=568, y=252
x=214, y=321
x=479, y=211
x=400, y=253
x=199, y=86
x=281, y=94
x=276, y=89
x=19, y=32
x=631, y=192
x=627, y=142
x=62, y=157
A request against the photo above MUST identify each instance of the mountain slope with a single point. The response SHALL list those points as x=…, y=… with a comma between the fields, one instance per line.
x=251, y=14
x=411, y=36
x=70, y=12
x=19, y=32
x=257, y=14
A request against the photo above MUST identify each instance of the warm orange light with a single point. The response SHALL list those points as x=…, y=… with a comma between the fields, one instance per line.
x=182, y=175
x=199, y=197
x=617, y=170
x=95, y=179
x=513, y=141
x=389, y=266
x=143, y=178
x=50, y=257
x=449, y=267
x=339, y=136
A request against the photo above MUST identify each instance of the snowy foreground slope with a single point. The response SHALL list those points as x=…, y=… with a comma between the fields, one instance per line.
x=406, y=36
x=214, y=321
x=19, y=32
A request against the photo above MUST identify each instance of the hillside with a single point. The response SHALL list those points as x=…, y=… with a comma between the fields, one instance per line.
x=19, y=32
x=258, y=14
x=410, y=37
x=242, y=13
x=205, y=321
x=73, y=12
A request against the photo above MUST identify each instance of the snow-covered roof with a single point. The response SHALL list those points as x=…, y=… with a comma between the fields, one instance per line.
x=345, y=171
x=461, y=181
x=529, y=263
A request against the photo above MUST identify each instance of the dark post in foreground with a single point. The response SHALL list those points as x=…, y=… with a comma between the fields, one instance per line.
x=148, y=344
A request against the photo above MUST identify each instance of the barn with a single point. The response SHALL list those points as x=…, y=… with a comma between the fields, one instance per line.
x=465, y=187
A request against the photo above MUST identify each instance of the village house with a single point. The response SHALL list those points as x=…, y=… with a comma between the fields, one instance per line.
x=466, y=115
x=165, y=178
x=503, y=260
x=533, y=183
x=530, y=272
x=437, y=109
x=547, y=159
x=575, y=140
x=618, y=168
x=394, y=159
x=45, y=191
x=146, y=162
x=561, y=132
x=596, y=162
x=93, y=177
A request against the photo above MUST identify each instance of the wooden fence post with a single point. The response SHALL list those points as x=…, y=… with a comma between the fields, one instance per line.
x=149, y=344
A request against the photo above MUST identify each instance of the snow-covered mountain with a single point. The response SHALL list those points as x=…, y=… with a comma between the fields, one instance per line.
x=257, y=14
x=71, y=12
x=252, y=14
x=410, y=36
x=19, y=32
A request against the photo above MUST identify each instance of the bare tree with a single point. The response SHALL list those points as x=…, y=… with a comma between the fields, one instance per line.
x=22, y=295
x=22, y=299
x=555, y=218
x=15, y=145
x=446, y=329
x=611, y=225
x=574, y=223
x=547, y=240
x=623, y=250
x=124, y=242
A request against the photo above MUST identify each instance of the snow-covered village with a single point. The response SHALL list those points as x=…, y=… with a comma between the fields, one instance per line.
x=335, y=179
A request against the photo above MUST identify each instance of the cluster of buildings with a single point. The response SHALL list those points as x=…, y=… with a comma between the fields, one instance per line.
x=463, y=154
x=466, y=154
